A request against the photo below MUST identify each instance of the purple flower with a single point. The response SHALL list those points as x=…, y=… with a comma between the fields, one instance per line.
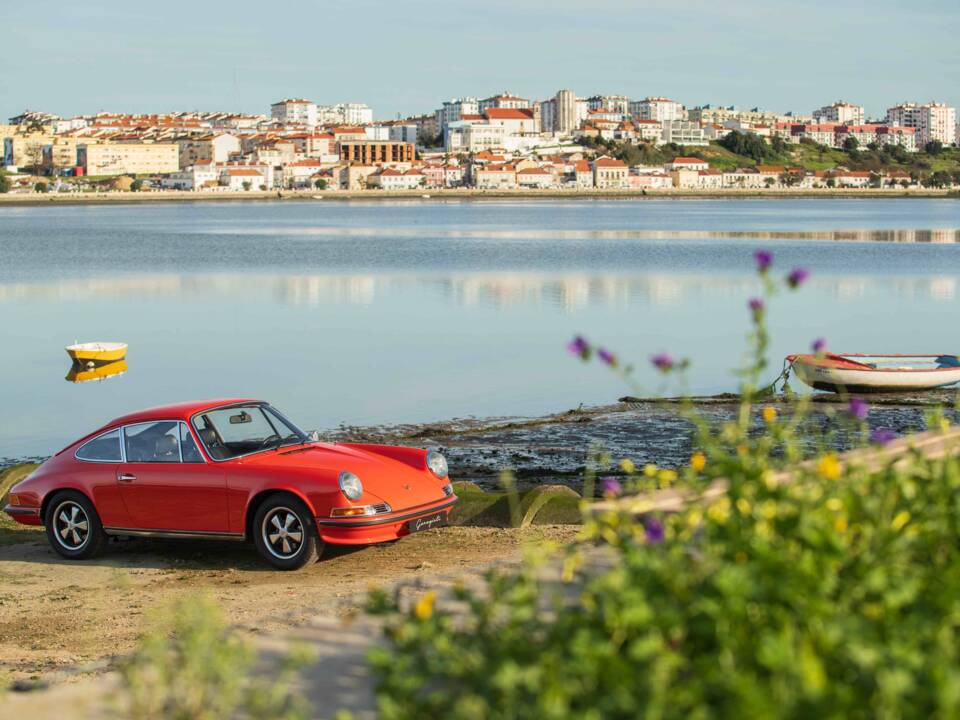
x=818, y=346
x=662, y=362
x=858, y=408
x=797, y=277
x=764, y=259
x=882, y=436
x=579, y=347
x=653, y=530
x=608, y=357
x=611, y=486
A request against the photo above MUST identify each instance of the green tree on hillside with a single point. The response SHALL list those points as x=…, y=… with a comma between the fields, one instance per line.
x=851, y=144
x=747, y=144
x=934, y=147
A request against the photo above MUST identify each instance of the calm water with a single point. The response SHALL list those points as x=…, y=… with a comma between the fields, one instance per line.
x=368, y=313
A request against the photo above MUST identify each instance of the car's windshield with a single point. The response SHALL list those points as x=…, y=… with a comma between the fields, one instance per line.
x=243, y=429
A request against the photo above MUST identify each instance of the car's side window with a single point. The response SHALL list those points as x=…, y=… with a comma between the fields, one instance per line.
x=188, y=446
x=152, y=442
x=105, y=448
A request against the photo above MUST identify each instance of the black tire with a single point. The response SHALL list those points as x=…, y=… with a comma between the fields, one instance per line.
x=73, y=526
x=285, y=533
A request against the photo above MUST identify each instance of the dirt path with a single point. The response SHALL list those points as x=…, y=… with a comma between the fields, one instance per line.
x=74, y=617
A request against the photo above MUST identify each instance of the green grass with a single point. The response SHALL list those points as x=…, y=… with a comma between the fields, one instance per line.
x=477, y=507
x=11, y=531
x=812, y=157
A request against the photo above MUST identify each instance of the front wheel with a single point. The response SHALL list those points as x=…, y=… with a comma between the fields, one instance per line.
x=73, y=526
x=285, y=533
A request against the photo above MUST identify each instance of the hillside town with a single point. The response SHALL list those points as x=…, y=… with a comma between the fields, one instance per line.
x=499, y=143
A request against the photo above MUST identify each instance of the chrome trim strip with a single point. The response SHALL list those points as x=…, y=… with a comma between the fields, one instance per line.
x=349, y=522
x=19, y=510
x=182, y=534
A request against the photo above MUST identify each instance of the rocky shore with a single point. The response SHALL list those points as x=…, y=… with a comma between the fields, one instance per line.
x=554, y=449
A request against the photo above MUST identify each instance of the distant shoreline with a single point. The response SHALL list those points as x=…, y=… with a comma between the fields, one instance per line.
x=106, y=198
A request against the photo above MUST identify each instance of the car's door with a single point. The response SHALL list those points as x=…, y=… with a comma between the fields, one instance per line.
x=167, y=484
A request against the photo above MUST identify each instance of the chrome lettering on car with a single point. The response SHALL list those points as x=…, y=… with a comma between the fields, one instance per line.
x=427, y=523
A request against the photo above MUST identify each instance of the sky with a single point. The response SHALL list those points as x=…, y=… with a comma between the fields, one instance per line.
x=406, y=57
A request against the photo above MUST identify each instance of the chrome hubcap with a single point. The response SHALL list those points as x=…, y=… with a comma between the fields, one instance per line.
x=70, y=525
x=282, y=533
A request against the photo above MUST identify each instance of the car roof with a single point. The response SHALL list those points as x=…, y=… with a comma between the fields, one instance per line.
x=181, y=410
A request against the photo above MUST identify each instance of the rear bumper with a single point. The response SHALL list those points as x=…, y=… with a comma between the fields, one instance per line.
x=367, y=531
x=24, y=515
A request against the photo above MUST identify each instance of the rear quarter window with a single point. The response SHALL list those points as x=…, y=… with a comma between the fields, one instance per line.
x=103, y=448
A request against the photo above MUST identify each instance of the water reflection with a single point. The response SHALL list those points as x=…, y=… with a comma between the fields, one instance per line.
x=82, y=374
x=564, y=293
x=905, y=235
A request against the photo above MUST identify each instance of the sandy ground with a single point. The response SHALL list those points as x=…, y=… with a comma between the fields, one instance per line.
x=62, y=620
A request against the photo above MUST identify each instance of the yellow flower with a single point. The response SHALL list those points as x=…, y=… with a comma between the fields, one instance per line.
x=698, y=461
x=743, y=505
x=742, y=449
x=666, y=477
x=649, y=469
x=944, y=424
x=829, y=467
x=769, y=509
x=900, y=519
x=840, y=524
x=769, y=479
x=719, y=511
x=769, y=414
x=627, y=466
x=835, y=504
x=424, y=607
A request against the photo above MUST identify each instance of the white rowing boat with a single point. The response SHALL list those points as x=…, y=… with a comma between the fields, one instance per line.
x=861, y=373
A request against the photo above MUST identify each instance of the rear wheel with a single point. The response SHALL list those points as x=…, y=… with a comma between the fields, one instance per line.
x=73, y=526
x=285, y=533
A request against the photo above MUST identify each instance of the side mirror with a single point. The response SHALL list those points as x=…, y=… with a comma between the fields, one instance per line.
x=313, y=436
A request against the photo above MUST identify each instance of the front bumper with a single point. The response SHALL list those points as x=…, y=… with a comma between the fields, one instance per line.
x=377, y=529
x=24, y=515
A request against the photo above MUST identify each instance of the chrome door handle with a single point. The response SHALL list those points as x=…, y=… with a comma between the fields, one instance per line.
x=126, y=477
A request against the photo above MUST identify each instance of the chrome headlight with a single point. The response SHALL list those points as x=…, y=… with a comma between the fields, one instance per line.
x=437, y=464
x=350, y=485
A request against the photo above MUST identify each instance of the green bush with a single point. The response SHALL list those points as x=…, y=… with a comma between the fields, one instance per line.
x=192, y=667
x=836, y=595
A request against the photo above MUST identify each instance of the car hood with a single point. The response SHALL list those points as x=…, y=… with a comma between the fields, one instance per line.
x=388, y=479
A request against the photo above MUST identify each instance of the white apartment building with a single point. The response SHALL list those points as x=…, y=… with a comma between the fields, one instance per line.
x=195, y=177
x=377, y=132
x=840, y=112
x=453, y=109
x=404, y=133
x=657, y=108
x=514, y=122
x=294, y=111
x=242, y=178
x=613, y=103
x=720, y=115
x=932, y=121
x=345, y=114
x=683, y=132
x=469, y=136
x=357, y=114
x=505, y=100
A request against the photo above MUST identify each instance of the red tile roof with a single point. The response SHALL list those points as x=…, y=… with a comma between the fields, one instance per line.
x=508, y=114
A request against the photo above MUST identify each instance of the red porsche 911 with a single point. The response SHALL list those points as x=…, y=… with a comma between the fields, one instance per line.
x=230, y=470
